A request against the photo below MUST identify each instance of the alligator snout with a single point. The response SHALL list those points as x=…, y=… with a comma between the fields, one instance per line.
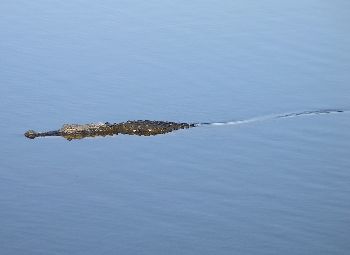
x=31, y=134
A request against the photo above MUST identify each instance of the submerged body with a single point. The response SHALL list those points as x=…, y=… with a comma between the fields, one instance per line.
x=152, y=127
x=138, y=127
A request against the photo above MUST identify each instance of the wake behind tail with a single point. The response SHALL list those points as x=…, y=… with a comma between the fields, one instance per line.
x=272, y=117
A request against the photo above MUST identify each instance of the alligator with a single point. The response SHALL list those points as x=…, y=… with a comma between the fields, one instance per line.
x=137, y=127
x=152, y=127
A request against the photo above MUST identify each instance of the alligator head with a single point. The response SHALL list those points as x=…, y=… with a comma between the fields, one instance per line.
x=31, y=134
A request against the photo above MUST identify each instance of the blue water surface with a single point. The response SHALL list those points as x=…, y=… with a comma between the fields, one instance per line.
x=271, y=187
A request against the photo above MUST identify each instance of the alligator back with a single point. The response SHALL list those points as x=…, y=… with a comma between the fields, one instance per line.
x=137, y=127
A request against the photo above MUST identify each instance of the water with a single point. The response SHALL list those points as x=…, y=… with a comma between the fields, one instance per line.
x=278, y=186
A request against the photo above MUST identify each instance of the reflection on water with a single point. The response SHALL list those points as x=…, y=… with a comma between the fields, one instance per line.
x=278, y=186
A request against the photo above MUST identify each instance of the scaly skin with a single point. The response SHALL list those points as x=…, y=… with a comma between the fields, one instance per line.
x=138, y=127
